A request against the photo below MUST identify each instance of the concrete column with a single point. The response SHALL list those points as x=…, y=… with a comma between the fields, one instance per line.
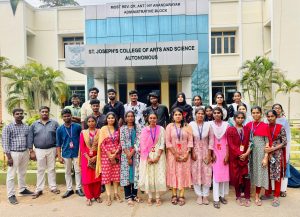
x=187, y=88
x=164, y=86
x=101, y=85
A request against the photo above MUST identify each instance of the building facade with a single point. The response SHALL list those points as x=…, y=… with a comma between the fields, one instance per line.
x=223, y=34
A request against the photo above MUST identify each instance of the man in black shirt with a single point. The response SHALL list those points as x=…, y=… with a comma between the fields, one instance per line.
x=161, y=110
x=114, y=106
x=95, y=105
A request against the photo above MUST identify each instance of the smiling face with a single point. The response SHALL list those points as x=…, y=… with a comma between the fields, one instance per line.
x=129, y=118
x=200, y=116
x=133, y=97
x=217, y=115
x=91, y=123
x=93, y=94
x=110, y=120
x=19, y=116
x=278, y=109
x=256, y=114
x=237, y=98
x=242, y=109
x=152, y=119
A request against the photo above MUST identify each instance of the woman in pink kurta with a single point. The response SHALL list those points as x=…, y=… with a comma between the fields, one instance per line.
x=201, y=156
x=220, y=158
x=179, y=141
x=110, y=156
x=90, y=177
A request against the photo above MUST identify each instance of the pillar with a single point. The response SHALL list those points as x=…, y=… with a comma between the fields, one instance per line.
x=186, y=87
x=164, y=86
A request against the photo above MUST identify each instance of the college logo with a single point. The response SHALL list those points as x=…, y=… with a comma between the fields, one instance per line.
x=76, y=55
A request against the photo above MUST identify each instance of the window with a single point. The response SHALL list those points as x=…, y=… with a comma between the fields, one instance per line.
x=79, y=90
x=222, y=42
x=71, y=41
x=227, y=88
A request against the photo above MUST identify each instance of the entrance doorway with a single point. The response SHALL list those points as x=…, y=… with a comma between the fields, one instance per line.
x=145, y=89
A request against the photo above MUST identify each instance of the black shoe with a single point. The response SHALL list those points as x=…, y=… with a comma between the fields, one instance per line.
x=80, y=193
x=13, y=200
x=68, y=194
x=37, y=194
x=26, y=192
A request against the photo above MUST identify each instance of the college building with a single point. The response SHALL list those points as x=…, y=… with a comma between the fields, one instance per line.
x=166, y=46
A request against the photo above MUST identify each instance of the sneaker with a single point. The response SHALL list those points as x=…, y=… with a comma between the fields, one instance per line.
x=13, y=200
x=26, y=192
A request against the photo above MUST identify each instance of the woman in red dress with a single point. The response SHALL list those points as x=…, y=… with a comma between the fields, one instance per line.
x=89, y=155
x=110, y=156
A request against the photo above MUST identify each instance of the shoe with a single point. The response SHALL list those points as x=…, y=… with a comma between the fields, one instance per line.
x=68, y=194
x=26, y=192
x=13, y=200
x=80, y=193
x=56, y=191
x=37, y=194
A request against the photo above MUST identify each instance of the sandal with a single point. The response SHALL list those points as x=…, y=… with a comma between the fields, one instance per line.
x=223, y=200
x=108, y=201
x=275, y=202
x=258, y=202
x=149, y=202
x=99, y=200
x=181, y=201
x=205, y=201
x=240, y=201
x=217, y=204
x=130, y=202
x=89, y=202
x=174, y=200
x=118, y=198
x=138, y=200
x=158, y=202
x=199, y=200
x=247, y=203
x=283, y=194
x=55, y=191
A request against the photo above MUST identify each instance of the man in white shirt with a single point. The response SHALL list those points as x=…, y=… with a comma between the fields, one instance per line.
x=137, y=107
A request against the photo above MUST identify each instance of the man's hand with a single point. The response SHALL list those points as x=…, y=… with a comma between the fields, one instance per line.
x=32, y=156
x=10, y=162
x=61, y=160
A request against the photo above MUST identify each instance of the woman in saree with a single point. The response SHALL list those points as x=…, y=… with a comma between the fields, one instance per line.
x=152, y=173
x=90, y=161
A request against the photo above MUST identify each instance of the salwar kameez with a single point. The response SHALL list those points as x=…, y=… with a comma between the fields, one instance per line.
x=91, y=180
x=220, y=170
x=202, y=172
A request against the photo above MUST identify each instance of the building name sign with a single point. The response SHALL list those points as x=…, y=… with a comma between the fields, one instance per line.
x=145, y=8
x=134, y=54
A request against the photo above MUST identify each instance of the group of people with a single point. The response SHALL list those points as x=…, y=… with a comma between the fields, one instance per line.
x=151, y=149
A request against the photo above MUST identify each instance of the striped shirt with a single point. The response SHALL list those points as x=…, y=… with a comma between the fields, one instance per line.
x=14, y=137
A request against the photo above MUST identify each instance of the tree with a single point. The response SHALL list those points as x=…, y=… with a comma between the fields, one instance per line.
x=34, y=85
x=287, y=87
x=258, y=76
x=58, y=3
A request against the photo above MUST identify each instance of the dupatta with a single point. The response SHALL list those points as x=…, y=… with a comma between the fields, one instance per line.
x=146, y=142
x=103, y=134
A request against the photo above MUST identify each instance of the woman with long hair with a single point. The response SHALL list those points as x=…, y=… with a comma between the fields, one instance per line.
x=110, y=156
x=208, y=113
x=197, y=103
x=90, y=161
x=179, y=142
x=153, y=160
x=221, y=103
x=201, y=156
x=130, y=158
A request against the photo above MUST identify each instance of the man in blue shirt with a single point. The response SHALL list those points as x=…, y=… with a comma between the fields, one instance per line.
x=67, y=137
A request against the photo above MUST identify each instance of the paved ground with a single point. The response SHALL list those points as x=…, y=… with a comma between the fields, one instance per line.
x=54, y=206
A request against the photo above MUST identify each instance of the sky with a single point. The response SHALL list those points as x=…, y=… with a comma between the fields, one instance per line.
x=37, y=3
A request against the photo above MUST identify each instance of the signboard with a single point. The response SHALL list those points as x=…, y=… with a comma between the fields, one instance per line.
x=134, y=54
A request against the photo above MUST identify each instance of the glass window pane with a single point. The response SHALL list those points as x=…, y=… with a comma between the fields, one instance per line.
x=101, y=28
x=232, y=45
x=226, y=45
x=113, y=26
x=90, y=28
x=216, y=34
x=140, y=38
x=229, y=91
x=191, y=24
x=219, y=45
x=179, y=37
x=152, y=24
x=213, y=46
x=228, y=33
x=165, y=25
x=202, y=23
x=139, y=25
x=165, y=38
x=127, y=39
x=178, y=24
x=126, y=26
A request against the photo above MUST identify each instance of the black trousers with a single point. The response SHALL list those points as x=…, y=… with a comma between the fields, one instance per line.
x=130, y=191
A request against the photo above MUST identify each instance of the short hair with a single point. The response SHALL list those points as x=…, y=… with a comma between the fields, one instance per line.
x=75, y=95
x=111, y=90
x=133, y=92
x=94, y=101
x=94, y=89
x=256, y=107
x=17, y=110
x=44, y=107
x=236, y=114
x=272, y=111
x=66, y=111
x=153, y=94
